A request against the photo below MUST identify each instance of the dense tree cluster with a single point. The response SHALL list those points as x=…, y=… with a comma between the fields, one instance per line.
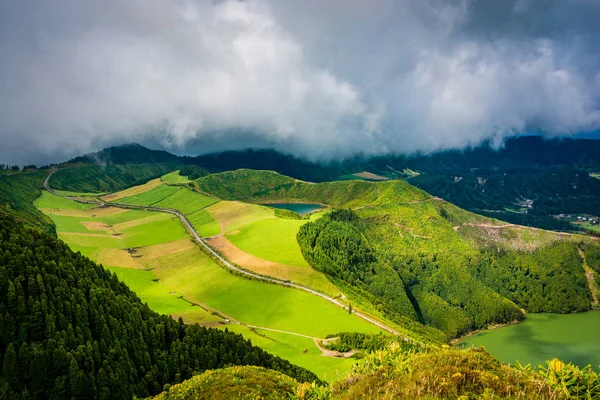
x=347, y=341
x=335, y=245
x=131, y=153
x=70, y=330
x=13, y=168
x=192, y=171
x=592, y=257
x=547, y=280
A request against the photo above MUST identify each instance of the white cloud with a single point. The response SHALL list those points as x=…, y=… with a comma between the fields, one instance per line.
x=314, y=78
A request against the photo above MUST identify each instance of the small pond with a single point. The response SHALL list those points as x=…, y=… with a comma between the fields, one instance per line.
x=300, y=208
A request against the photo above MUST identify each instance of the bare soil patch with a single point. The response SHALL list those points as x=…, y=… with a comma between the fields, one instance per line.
x=163, y=249
x=235, y=214
x=371, y=176
x=591, y=279
x=118, y=258
x=135, y=222
x=89, y=234
x=97, y=226
x=332, y=353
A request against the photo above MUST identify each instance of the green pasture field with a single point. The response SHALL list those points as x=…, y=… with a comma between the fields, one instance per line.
x=163, y=230
x=186, y=201
x=173, y=178
x=199, y=279
x=272, y=239
x=159, y=298
x=298, y=350
x=150, y=197
x=191, y=274
x=48, y=200
x=256, y=230
x=204, y=223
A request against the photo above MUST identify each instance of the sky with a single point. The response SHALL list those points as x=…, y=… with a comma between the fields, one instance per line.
x=316, y=78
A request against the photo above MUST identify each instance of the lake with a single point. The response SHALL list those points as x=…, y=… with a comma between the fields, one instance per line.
x=300, y=208
x=570, y=337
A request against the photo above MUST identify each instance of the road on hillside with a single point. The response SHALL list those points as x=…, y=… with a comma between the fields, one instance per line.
x=226, y=263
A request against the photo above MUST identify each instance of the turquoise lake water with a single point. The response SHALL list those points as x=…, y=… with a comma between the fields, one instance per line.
x=570, y=337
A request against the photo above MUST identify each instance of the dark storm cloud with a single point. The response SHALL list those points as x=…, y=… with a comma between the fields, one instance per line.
x=316, y=78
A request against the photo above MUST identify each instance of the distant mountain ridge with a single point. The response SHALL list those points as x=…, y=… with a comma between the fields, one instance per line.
x=522, y=152
x=132, y=153
x=551, y=176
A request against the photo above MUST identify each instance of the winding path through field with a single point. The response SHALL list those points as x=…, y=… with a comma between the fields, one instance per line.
x=226, y=263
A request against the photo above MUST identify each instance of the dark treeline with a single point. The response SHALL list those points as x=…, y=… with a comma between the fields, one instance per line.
x=14, y=168
x=347, y=341
x=553, y=190
x=192, y=171
x=70, y=330
x=126, y=154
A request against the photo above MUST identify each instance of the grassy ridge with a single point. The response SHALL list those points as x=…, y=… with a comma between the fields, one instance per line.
x=174, y=178
x=186, y=201
x=204, y=223
x=150, y=197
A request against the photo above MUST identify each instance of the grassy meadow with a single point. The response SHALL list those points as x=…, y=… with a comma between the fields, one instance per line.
x=173, y=178
x=192, y=204
x=298, y=350
x=153, y=254
x=256, y=230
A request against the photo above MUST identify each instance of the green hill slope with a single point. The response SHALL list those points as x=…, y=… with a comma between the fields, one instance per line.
x=70, y=329
x=415, y=256
x=17, y=194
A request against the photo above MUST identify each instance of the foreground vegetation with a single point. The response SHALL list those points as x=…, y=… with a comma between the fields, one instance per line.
x=398, y=372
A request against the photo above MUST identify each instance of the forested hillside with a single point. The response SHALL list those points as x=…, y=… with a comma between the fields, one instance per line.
x=18, y=191
x=126, y=154
x=70, y=329
x=417, y=257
